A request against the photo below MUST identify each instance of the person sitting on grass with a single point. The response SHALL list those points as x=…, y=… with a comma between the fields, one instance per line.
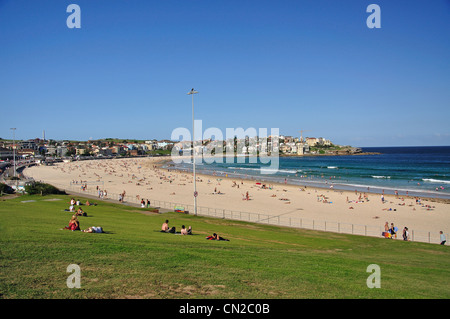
x=80, y=212
x=165, y=227
x=74, y=224
x=183, y=230
x=93, y=229
x=71, y=209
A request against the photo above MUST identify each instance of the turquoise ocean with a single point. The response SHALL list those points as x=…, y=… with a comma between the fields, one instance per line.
x=415, y=171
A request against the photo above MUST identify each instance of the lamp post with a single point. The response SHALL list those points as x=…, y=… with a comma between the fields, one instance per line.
x=14, y=149
x=192, y=92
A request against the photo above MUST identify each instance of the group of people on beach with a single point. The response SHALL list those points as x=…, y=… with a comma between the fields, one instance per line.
x=101, y=193
x=391, y=232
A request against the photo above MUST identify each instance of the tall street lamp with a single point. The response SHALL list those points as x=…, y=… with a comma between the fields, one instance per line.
x=192, y=92
x=14, y=148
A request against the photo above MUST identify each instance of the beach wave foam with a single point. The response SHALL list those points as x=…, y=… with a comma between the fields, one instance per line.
x=432, y=180
x=262, y=169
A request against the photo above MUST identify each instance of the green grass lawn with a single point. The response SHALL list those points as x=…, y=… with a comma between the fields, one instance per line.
x=134, y=260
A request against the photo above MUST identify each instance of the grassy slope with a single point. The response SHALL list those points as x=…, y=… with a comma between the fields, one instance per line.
x=134, y=260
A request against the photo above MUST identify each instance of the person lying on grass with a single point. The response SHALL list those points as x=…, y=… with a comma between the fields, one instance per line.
x=216, y=237
x=93, y=229
x=88, y=203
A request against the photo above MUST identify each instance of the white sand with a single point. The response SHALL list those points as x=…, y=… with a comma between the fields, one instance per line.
x=154, y=183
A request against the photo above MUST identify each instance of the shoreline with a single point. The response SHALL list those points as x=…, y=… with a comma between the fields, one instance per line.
x=346, y=188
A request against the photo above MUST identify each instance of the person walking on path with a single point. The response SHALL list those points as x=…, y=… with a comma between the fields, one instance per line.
x=443, y=239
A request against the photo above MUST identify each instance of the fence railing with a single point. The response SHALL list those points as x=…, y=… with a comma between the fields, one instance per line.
x=303, y=223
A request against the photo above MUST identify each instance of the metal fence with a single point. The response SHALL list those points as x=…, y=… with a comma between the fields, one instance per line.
x=303, y=223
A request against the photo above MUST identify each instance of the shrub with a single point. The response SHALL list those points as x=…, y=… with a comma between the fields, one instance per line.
x=6, y=189
x=43, y=189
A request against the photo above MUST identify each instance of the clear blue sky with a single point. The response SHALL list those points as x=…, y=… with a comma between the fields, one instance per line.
x=311, y=65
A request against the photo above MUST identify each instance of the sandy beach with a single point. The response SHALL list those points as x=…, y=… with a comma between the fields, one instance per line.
x=144, y=178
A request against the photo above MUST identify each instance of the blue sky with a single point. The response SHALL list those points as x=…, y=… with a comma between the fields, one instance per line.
x=292, y=65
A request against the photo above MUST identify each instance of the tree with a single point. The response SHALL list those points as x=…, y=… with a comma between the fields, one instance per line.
x=70, y=152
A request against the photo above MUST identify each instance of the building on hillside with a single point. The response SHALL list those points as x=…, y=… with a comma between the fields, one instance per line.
x=30, y=144
x=165, y=145
x=80, y=150
x=324, y=142
x=6, y=154
x=288, y=139
x=302, y=148
x=118, y=149
x=26, y=152
x=284, y=148
x=134, y=152
x=312, y=141
x=103, y=151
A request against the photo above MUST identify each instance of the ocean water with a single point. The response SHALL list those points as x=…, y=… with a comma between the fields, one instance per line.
x=415, y=171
